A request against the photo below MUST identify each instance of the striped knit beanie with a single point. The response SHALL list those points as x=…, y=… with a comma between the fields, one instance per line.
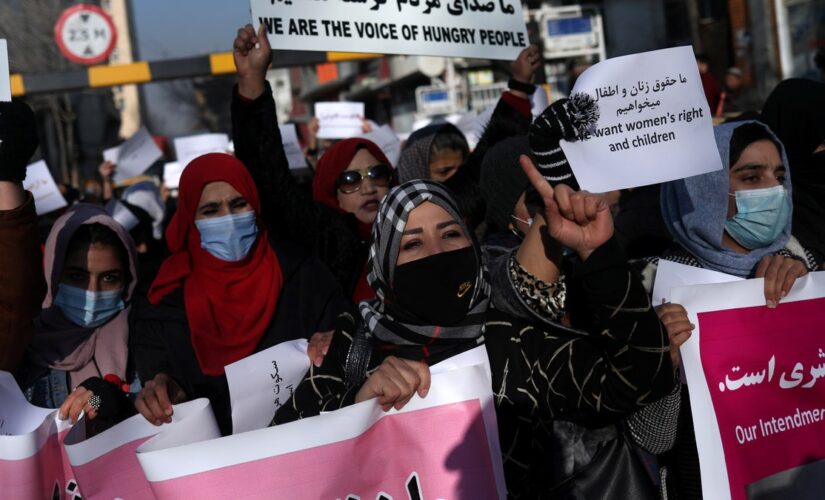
x=567, y=119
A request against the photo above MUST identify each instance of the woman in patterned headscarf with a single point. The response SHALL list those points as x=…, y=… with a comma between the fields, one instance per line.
x=434, y=301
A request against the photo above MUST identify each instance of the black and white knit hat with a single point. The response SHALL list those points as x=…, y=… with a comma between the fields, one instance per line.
x=567, y=119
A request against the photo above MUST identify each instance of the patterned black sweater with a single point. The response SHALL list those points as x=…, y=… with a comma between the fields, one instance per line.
x=617, y=363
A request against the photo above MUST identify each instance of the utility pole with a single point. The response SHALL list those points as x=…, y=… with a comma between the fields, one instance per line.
x=126, y=97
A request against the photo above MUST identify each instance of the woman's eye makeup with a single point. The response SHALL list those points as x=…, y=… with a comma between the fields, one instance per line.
x=77, y=277
x=412, y=244
x=111, y=277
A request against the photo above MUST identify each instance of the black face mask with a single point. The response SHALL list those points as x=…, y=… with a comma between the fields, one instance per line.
x=437, y=289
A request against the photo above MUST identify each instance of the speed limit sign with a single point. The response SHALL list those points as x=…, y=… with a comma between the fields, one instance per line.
x=85, y=34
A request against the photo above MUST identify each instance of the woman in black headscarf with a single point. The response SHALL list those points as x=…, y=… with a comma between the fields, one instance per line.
x=795, y=111
x=434, y=301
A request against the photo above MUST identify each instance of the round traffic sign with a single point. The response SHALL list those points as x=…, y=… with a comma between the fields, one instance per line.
x=85, y=34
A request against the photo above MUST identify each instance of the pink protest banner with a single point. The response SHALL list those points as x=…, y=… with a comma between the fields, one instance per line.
x=32, y=463
x=106, y=466
x=753, y=375
x=442, y=446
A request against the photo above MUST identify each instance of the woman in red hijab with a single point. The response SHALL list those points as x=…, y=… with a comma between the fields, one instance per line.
x=226, y=292
x=350, y=180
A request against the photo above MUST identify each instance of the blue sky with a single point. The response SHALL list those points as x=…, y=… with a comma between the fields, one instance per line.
x=171, y=29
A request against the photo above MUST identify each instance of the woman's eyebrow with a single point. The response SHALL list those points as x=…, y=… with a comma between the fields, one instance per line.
x=415, y=230
x=210, y=205
x=442, y=225
x=750, y=166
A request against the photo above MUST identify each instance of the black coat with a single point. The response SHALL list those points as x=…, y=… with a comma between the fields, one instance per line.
x=289, y=210
x=160, y=341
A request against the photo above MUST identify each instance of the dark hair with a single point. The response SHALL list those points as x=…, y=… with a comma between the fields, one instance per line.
x=746, y=135
x=91, y=234
x=449, y=138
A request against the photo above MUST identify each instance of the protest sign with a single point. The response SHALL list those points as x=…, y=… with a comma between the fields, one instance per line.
x=134, y=156
x=454, y=28
x=171, y=174
x=363, y=451
x=5, y=84
x=386, y=139
x=47, y=196
x=339, y=120
x=753, y=374
x=670, y=275
x=32, y=463
x=292, y=148
x=189, y=148
x=654, y=122
x=261, y=383
x=105, y=466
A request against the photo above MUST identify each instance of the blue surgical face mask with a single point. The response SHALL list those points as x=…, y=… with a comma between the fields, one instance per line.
x=230, y=237
x=761, y=216
x=85, y=308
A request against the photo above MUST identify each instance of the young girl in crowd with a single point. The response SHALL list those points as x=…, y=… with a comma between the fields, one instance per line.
x=434, y=301
x=78, y=359
x=228, y=290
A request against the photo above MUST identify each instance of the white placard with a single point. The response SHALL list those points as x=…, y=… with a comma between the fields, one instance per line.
x=654, y=125
x=292, y=148
x=339, y=120
x=385, y=138
x=670, y=275
x=261, y=383
x=493, y=29
x=5, y=84
x=171, y=174
x=134, y=156
x=47, y=196
x=189, y=148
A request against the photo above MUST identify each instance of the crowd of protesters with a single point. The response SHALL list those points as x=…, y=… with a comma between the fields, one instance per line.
x=387, y=269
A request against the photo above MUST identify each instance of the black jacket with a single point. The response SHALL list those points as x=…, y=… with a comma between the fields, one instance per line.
x=160, y=341
x=288, y=209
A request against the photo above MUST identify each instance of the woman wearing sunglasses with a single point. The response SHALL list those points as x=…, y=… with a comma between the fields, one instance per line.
x=350, y=180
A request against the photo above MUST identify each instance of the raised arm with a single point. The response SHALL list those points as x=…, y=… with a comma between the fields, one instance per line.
x=289, y=211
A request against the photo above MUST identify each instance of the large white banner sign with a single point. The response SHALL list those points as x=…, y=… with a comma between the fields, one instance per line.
x=654, y=122
x=487, y=29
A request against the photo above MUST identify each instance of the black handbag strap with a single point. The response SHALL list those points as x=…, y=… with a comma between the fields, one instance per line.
x=358, y=357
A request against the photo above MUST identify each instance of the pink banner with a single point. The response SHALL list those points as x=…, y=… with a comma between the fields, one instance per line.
x=46, y=474
x=757, y=402
x=442, y=446
x=762, y=367
x=433, y=453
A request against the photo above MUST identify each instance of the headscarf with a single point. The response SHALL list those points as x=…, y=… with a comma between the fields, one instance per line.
x=60, y=344
x=335, y=160
x=414, y=162
x=795, y=111
x=695, y=211
x=229, y=305
x=416, y=341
